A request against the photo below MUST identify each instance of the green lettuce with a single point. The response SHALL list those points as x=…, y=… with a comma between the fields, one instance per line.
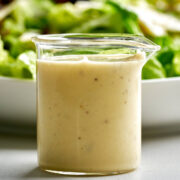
x=22, y=67
x=63, y=17
x=168, y=56
x=26, y=14
x=128, y=19
x=19, y=45
x=176, y=63
x=6, y=62
x=153, y=69
x=27, y=61
x=44, y=16
x=110, y=17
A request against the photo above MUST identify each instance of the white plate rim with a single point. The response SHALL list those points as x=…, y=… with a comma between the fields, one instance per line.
x=161, y=80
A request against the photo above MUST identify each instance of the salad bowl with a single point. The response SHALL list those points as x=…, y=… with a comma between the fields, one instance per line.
x=160, y=102
x=161, y=84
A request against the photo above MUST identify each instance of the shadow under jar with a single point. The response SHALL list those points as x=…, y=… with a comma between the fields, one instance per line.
x=89, y=102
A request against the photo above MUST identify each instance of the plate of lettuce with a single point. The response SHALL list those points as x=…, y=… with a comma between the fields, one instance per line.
x=21, y=20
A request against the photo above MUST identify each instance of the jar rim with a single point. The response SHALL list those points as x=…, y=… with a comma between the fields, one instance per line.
x=97, y=39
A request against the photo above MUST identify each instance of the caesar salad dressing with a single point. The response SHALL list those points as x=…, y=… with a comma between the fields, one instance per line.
x=89, y=114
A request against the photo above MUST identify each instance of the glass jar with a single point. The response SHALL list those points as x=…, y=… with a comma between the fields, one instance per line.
x=89, y=102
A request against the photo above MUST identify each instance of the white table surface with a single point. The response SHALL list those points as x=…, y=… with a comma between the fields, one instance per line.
x=160, y=159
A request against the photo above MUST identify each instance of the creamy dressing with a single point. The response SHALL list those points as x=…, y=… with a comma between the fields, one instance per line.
x=89, y=114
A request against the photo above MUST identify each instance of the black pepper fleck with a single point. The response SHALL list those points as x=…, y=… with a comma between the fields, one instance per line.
x=106, y=121
x=95, y=79
x=125, y=91
x=79, y=138
x=81, y=73
x=55, y=104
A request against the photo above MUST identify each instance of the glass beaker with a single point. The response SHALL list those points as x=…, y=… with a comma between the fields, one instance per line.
x=89, y=102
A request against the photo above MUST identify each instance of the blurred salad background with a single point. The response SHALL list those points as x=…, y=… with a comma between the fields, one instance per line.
x=158, y=20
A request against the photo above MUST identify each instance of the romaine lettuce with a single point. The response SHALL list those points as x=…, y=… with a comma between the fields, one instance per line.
x=22, y=67
x=19, y=45
x=153, y=69
x=27, y=61
x=63, y=17
x=44, y=16
x=176, y=63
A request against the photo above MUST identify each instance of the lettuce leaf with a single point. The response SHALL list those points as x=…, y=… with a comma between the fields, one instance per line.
x=129, y=20
x=169, y=56
x=26, y=14
x=153, y=69
x=63, y=17
x=110, y=17
x=22, y=67
x=27, y=60
x=6, y=62
x=176, y=63
x=19, y=45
